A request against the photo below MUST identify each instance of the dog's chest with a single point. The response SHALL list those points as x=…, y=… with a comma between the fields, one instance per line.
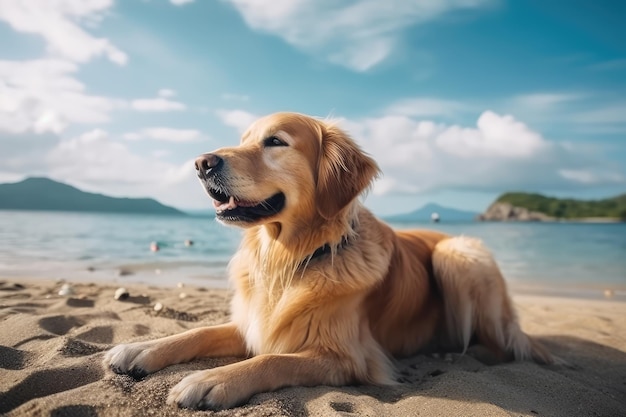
x=254, y=330
x=256, y=318
x=278, y=321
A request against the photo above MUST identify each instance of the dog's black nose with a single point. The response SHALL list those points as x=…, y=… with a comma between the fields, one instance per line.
x=208, y=164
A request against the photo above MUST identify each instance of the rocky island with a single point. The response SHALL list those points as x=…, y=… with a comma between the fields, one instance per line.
x=537, y=207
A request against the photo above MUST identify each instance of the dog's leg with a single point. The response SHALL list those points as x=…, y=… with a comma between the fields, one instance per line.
x=233, y=384
x=476, y=301
x=141, y=358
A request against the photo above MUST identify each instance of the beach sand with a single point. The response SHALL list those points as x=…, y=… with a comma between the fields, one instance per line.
x=51, y=350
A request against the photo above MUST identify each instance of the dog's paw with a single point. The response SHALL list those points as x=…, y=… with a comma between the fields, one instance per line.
x=208, y=390
x=134, y=359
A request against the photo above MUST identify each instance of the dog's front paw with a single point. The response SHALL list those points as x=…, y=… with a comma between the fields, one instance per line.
x=208, y=390
x=134, y=359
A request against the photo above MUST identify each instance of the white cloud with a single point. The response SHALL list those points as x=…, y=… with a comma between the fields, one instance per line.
x=158, y=104
x=17, y=153
x=44, y=96
x=495, y=136
x=181, y=2
x=358, y=34
x=498, y=153
x=96, y=156
x=165, y=134
x=60, y=23
x=94, y=161
x=7, y=177
x=239, y=119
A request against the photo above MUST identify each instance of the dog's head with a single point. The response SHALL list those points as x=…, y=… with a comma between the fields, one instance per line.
x=288, y=167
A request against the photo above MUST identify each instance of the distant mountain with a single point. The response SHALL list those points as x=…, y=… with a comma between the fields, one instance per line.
x=423, y=214
x=46, y=194
x=537, y=207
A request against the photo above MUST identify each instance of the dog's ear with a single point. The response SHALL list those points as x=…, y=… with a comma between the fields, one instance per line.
x=344, y=171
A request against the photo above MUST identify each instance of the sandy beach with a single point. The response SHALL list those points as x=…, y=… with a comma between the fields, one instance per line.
x=51, y=349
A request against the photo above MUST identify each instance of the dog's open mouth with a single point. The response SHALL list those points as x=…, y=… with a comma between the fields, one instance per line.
x=229, y=208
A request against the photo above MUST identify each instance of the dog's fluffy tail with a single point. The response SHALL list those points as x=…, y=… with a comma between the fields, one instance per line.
x=476, y=301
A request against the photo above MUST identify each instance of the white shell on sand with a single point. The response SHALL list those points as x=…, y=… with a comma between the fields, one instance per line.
x=121, y=294
x=66, y=290
x=158, y=307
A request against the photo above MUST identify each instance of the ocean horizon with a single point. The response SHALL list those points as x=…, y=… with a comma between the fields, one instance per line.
x=572, y=259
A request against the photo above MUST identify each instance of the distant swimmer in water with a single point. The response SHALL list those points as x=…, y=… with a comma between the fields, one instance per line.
x=188, y=242
x=154, y=247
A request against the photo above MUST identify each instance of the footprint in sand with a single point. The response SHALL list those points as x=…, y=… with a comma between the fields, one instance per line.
x=81, y=339
x=48, y=382
x=98, y=334
x=74, y=347
x=13, y=359
x=80, y=302
x=344, y=407
x=10, y=286
x=60, y=325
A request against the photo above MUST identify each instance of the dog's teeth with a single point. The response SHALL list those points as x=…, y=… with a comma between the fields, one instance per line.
x=220, y=207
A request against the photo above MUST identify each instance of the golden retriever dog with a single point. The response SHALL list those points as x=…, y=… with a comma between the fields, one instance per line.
x=325, y=293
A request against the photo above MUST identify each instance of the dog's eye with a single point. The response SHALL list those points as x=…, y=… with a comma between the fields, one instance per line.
x=274, y=141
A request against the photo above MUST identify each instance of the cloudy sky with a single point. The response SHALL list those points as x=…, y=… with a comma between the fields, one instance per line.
x=458, y=100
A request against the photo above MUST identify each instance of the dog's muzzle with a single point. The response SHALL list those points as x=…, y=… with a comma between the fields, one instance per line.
x=229, y=207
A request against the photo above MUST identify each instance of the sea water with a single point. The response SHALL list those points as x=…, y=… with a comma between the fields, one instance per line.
x=565, y=258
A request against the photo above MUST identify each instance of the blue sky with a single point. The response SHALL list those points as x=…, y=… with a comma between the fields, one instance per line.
x=458, y=100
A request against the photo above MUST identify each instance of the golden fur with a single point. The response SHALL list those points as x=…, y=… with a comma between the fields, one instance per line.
x=339, y=317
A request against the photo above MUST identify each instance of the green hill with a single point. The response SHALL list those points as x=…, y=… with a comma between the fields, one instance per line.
x=46, y=194
x=568, y=208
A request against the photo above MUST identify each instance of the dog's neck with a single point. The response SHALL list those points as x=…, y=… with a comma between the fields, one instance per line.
x=281, y=254
x=326, y=249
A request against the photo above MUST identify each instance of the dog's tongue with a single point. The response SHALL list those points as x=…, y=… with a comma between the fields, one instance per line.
x=225, y=206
